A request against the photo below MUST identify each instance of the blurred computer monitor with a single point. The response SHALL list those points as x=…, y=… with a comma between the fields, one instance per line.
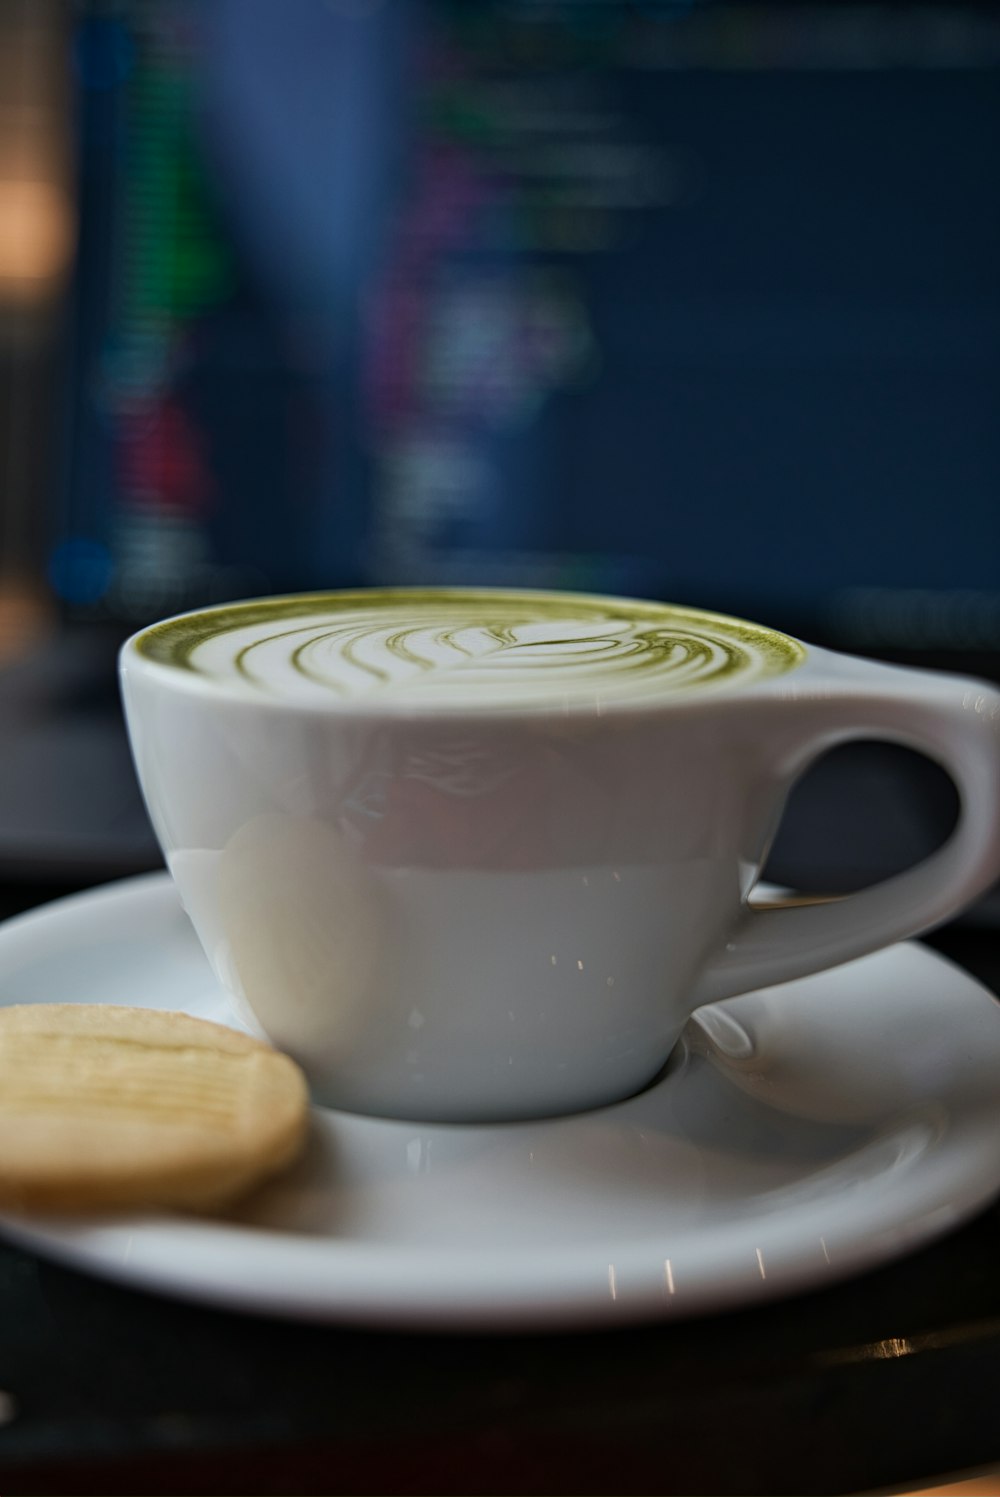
x=692, y=300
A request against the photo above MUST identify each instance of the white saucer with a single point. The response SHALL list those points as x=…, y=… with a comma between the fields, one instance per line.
x=799, y=1135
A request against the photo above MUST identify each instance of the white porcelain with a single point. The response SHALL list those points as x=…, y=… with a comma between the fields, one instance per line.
x=800, y=1134
x=488, y=912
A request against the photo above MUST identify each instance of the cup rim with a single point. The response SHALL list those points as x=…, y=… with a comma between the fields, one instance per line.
x=390, y=707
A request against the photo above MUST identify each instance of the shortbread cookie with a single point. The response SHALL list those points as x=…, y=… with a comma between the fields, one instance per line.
x=104, y=1107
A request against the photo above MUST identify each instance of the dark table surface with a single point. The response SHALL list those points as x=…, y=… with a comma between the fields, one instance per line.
x=887, y=1380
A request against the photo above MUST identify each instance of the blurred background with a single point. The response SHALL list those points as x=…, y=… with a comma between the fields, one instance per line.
x=695, y=301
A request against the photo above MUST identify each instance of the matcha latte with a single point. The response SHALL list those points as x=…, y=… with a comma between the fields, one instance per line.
x=443, y=648
x=473, y=855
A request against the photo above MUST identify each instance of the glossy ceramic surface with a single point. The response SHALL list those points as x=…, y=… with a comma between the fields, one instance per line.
x=801, y=1134
x=472, y=907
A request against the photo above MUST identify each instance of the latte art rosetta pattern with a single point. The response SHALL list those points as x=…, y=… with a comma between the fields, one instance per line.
x=467, y=648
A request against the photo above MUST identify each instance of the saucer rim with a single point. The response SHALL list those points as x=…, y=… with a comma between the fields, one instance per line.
x=359, y=1283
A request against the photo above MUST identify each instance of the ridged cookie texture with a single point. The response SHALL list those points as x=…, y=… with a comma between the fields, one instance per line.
x=105, y=1107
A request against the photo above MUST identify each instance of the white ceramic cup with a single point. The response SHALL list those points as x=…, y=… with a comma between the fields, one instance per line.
x=476, y=907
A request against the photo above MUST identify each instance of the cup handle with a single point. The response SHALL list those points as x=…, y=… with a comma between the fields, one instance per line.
x=952, y=720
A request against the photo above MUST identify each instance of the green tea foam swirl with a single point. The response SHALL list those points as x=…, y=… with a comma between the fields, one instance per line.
x=450, y=648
